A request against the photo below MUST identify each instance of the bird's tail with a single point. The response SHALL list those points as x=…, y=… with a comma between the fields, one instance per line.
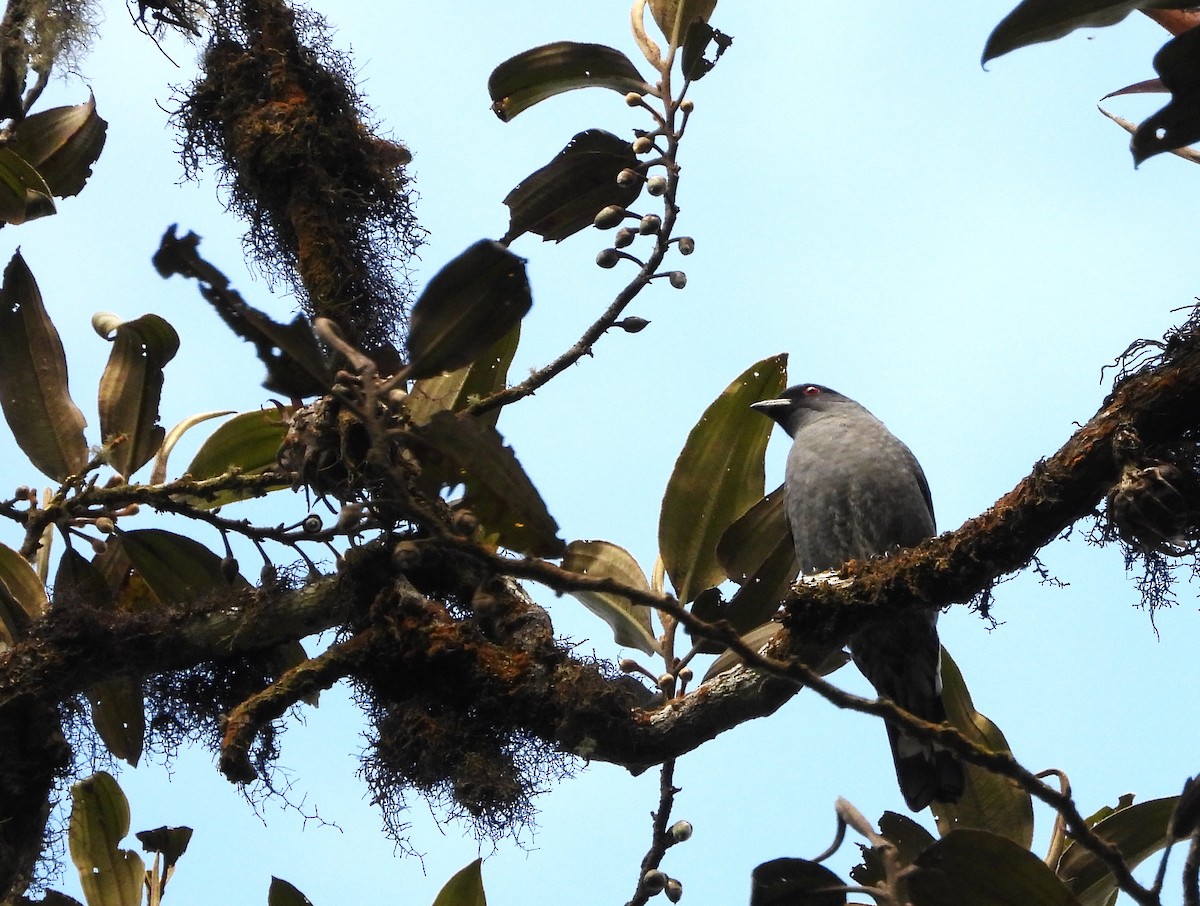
x=902, y=660
x=926, y=773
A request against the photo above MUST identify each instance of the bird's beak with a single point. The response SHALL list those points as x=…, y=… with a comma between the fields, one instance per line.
x=769, y=408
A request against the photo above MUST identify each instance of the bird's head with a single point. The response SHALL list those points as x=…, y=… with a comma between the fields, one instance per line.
x=798, y=404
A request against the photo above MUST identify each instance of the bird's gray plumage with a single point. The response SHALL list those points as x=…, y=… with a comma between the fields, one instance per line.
x=853, y=490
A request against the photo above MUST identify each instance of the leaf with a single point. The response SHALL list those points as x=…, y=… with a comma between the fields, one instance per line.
x=248, y=444
x=62, y=144
x=461, y=450
x=1131, y=128
x=1178, y=123
x=19, y=578
x=564, y=196
x=717, y=478
x=674, y=16
x=756, y=552
x=521, y=81
x=131, y=387
x=455, y=390
x=282, y=893
x=795, y=882
x=1035, y=21
x=758, y=637
x=99, y=821
x=47, y=424
x=973, y=866
x=630, y=622
x=169, y=842
x=24, y=195
x=159, y=474
x=464, y=889
x=909, y=838
x=179, y=570
x=119, y=716
x=1138, y=831
x=467, y=306
x=989, y=802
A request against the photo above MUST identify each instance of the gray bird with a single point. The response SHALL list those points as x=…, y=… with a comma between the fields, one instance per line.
x=853, y=491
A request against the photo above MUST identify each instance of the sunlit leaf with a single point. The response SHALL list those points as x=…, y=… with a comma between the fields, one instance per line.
x=99, y=821
x=131, y=387
x=630, y=622
x=282, y=893
x=465, y=888
x=718, y=477
x=24, y=195
x=159, y=474
x=989, y=801
x=22, y=583
x=471, y=303
x=1178, y=123
x=47, y=424
x=1033, y=21
x=460, y=450
x=982, y=869
x=248, y=443
x=177, y=569
x=455, y=390
x=521, y=81
x=62, y=144
x=564, y=196
x=674, y=16
x=795, y=882
x=1138, y=831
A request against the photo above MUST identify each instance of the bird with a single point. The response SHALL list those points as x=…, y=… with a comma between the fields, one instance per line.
x=853, y=490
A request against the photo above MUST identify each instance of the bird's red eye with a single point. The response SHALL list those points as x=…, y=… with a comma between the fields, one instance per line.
x=810, y=390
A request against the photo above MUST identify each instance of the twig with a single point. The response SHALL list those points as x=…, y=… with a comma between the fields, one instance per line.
x=660, y=839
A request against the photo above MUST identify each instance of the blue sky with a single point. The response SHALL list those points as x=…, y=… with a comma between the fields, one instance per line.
x=960, y=250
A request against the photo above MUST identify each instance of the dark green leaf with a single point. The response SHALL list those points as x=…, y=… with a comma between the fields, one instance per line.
x=630, y=622
x=521, y=81
x=131, y=387
x=982, y=869
x=700, y=35
x=1185, y=820
x=989, y=802
x=1178, y=123
x=564, y=196
x=24, y=195
x=461, y=450
x=99, y=821
x=1034, y=21
x=909, y=838
x=62, y=144
x=455, y=390
x=296, y=365
x=47, y=424
x=718, y=477
x=177, y=569
x=282, y=893
x=795, y=882
x=1138, y=831
x=119, y=716
x=170, y=843
x=469, y=304
x=674, y=16
x=464, y=889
